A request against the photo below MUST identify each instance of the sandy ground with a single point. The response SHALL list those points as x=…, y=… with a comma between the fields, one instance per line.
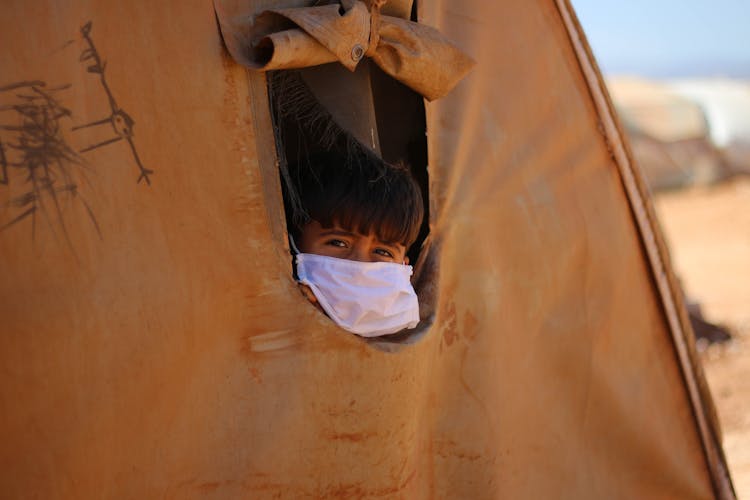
x=708, y=230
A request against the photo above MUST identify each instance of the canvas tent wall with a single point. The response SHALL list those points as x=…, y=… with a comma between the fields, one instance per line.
x=154, y=344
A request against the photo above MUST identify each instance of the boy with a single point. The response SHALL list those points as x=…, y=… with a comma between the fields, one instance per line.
x=358, y=218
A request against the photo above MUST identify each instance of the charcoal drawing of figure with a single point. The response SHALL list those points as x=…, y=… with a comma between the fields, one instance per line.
x=120, y=122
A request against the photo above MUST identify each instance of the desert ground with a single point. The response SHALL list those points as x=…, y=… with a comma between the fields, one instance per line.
x=708, y=231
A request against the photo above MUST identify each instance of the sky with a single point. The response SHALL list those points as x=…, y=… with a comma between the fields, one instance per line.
x=668, y=38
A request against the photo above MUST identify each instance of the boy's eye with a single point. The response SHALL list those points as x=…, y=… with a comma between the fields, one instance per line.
x=336, y=243
x=384, y=253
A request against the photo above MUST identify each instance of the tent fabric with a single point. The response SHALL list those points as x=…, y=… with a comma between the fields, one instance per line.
x=415, y=54
x=153, y=341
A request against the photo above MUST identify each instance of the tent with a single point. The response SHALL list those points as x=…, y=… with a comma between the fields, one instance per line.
x=656, y=111
x=155, y=345
x=726, y=103
x=727, y=106
x=669, y=134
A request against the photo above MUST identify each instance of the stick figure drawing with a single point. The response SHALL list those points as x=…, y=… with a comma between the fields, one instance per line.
x=121, y=122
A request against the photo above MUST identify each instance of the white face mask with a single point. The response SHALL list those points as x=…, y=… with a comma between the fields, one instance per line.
x=366, y=298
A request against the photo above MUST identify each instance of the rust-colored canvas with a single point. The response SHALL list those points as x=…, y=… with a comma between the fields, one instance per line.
x=154, y=343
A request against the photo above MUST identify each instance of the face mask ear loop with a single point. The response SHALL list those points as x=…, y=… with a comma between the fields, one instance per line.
x=293, y=245
x=295, y=252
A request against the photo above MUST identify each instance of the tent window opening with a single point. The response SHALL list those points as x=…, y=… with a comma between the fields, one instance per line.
x=353, y=119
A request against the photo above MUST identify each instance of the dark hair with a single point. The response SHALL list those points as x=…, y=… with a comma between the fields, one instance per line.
x=358, y=193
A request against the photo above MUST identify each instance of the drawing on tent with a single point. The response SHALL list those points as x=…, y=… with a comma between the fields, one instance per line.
x=121, y=122
x=40, y=155
x=37, y=152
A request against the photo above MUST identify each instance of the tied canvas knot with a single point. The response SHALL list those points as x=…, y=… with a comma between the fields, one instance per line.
x=375, y=6
x=417, y=55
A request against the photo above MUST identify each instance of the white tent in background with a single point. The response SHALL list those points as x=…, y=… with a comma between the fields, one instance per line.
x=726, y=104
x=669, y=133
x=656, y=110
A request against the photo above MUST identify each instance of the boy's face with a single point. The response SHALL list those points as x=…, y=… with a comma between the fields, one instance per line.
x=343, y=244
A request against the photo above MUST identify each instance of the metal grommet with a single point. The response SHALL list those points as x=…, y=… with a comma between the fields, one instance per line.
x=357, y=52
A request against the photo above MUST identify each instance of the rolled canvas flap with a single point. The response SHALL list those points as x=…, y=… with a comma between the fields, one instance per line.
x=292, y=49
x=345, y=36
x=414, y=54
